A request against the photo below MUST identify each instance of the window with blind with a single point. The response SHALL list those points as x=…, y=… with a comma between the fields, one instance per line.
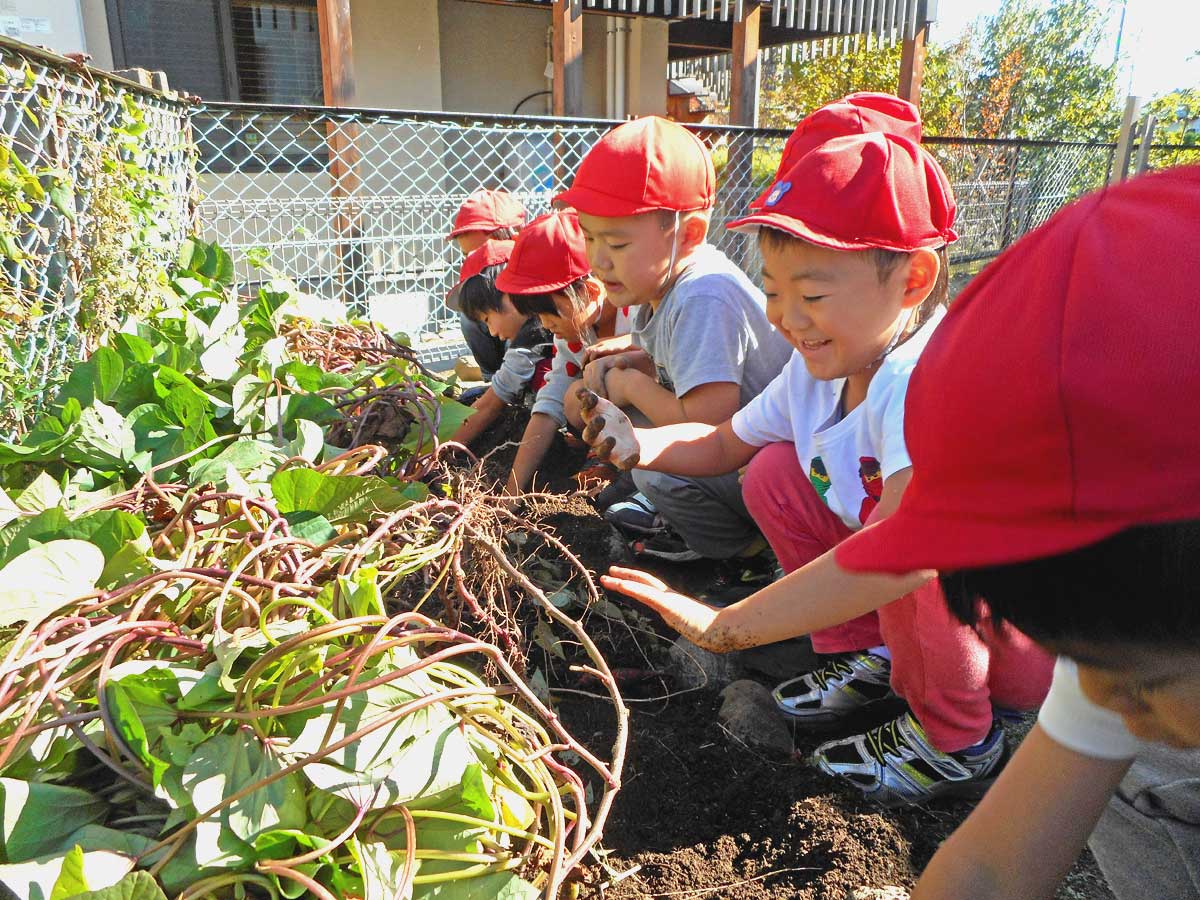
x=249, y=51
x=252, y=51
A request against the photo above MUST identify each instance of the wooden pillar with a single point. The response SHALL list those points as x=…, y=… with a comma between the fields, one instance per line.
x=912, y=66
x=743, y=86
x=568, y=57
x=337, y=76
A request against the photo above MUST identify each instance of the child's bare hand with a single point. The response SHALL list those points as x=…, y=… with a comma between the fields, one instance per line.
x=595, y=372
x=606, y=347
x=608, y=430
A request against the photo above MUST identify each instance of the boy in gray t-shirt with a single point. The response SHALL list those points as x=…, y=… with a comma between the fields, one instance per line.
x=701, y=345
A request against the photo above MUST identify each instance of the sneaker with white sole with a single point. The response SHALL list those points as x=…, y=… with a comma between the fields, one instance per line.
x=665, y=544
x=895, y=765
x=635, y=515
x=848, y=684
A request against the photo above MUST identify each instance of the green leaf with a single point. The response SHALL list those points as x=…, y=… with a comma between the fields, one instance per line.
x=40, y=580
x=134, y=886
x=132, y=348
x=71, y=879
x=99, y=377
x=309, y=441
x=38, y=817
x=381, y=869
x=43, y=493
x=227, y=763
x=496, y=886
x=310, y=526
x=35, y=879
x=63, y=198
x=339, y=498
x=245, y=456
x=416, y=756
x=98, y=837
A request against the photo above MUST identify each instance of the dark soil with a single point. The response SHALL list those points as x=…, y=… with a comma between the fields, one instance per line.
x=701, y=814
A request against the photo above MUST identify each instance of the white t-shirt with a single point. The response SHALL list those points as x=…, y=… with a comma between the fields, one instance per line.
x=568, y=366
x=847, y=459
x=1077, y=723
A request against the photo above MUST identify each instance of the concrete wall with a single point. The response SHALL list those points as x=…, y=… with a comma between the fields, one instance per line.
x=397, y=56
x=492, y=57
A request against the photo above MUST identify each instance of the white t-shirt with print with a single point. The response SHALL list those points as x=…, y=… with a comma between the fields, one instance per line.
x=846, y=459
x=1074, y=721
x=568, y=366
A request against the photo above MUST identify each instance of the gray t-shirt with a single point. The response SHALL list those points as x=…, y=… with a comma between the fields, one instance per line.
x=711, y=327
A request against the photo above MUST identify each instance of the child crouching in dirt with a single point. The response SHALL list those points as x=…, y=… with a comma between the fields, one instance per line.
x=485, y=215
x=526, y=344
x=853, y=241
x=1096, y=565
x=704, y=347
x=547, y=277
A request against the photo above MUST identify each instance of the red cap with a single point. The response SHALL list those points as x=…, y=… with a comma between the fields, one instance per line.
x=1056, y=403
x=489, y=253
x=548, y=254
x=859, y=113
x=641, y=166
x=488, y=210
x=859, y=192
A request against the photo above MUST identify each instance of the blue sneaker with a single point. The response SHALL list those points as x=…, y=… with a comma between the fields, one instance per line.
x=895, y=765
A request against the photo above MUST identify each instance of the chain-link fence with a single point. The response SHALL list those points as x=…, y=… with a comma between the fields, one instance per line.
x=80, y=155
x=357, y=204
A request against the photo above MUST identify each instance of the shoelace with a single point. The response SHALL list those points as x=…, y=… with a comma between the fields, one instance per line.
x=885, y=740
x=826, y=674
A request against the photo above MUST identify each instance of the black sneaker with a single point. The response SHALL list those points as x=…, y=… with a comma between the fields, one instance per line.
x=740, y=576
x=635, y=516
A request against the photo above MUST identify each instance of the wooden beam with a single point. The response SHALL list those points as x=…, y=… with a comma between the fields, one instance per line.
x=568, y=58
x=337, y=78
x=743, y=87
x=337, y=52
x=912, y=66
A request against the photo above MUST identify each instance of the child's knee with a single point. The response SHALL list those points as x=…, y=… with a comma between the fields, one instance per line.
x=766, y=470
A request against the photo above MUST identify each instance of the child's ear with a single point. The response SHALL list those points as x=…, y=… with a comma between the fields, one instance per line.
x=695, y=230
x=923, y=269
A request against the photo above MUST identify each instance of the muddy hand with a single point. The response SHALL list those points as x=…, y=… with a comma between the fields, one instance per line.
x=608, y=430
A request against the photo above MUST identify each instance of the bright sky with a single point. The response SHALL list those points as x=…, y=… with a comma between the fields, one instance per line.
x=1159, y=38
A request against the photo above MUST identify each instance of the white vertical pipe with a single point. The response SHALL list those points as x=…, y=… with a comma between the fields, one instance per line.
x=620, y=65
x=610, y=104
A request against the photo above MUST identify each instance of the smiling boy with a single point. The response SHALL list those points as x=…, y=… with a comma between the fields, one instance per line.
x=1022, y=498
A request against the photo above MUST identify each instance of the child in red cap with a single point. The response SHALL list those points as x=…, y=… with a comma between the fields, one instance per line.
x=701, y=345
x=547, y=278
x=1056, y=488
x=485, y=215
x=526, y=344
x=853, y=239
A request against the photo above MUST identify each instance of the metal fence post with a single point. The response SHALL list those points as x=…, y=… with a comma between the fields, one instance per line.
x=1006, y=235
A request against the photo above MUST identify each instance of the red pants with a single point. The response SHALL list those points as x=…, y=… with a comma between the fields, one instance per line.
x=948, y=674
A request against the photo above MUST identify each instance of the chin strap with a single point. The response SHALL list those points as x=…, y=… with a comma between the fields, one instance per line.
x=898, y=336
x=668, y=281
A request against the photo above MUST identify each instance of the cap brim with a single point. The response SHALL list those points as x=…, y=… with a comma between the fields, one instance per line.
x=799, y=229
x=595, y=203
x=452, y=298
x=910, y=541
x=517, y=285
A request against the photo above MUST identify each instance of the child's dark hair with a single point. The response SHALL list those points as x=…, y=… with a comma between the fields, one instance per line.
x=885, y=263
x=503, y=234
x=543, y=304
x=1141, y=586
x=479, y=294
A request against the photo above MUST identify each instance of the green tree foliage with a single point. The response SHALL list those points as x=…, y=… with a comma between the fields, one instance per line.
x=1029, y=71
x=1178, y=117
